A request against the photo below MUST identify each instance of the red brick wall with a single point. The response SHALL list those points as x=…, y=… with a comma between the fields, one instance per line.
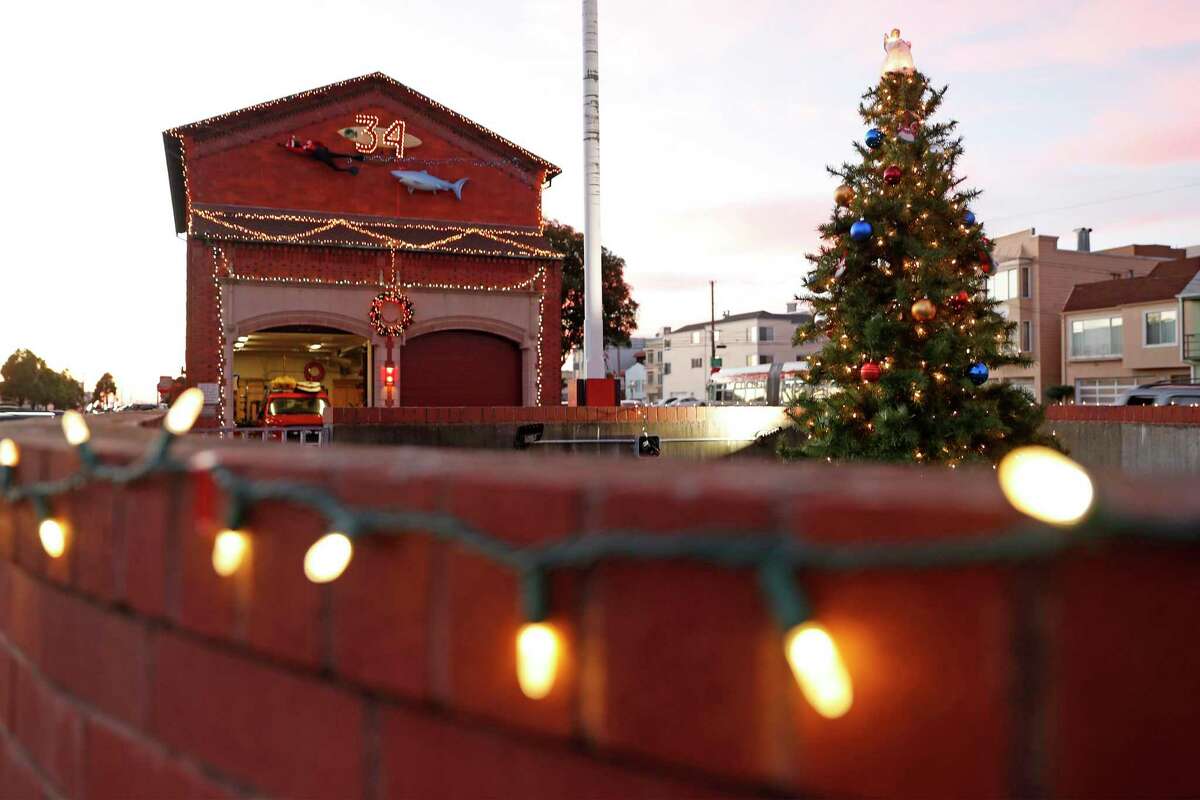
x=249, y=168
x=269, y=260
x=128, y=666
x=1154, y=415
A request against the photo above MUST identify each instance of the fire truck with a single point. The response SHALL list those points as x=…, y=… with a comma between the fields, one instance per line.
x=288, y=403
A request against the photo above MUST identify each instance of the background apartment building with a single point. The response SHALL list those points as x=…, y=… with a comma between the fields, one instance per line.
x=1128, y=331
x=678, y=360
x=1034, y=278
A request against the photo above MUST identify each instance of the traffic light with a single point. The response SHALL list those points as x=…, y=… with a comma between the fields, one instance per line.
x=389, y=374
x=648, y=446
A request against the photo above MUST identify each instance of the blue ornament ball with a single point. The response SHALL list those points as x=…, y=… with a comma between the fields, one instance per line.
x=860, y=231
x=874, y=138
x=978, y=373
x=969, y=218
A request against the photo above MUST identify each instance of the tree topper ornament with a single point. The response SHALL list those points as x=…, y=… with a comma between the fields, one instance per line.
x=899, y=54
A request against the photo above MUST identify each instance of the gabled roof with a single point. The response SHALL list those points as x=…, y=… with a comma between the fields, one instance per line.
x=1164, y=282
x=313, y=98
x=244, y=118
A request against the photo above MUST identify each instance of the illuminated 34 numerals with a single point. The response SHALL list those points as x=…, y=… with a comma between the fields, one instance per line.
x=394, y=135
x=369, y=123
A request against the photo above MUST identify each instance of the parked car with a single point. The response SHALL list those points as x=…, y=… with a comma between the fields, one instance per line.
x=1162, y=393
x=25, y=413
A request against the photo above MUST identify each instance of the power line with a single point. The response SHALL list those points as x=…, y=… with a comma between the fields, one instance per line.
x=1097, y=202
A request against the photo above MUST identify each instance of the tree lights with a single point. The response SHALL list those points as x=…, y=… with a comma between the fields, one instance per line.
x=1039, y=482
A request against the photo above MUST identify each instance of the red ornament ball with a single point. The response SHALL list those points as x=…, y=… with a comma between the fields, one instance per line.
x=891, y=175
x=959, y=301
x=870, y=372
x=985, y=264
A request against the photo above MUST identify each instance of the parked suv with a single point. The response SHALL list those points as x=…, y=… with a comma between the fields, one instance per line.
x=1161, y=394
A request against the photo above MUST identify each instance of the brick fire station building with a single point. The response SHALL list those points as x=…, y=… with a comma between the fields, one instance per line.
x=295, y=223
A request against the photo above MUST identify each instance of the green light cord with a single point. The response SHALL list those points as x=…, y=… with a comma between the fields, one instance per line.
x=775, y=557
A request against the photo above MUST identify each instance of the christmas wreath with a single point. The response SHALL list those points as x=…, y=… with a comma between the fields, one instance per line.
x=397, y=325
x=314, y=371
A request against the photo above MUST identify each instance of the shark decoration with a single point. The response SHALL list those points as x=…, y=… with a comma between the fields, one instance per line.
x=424, y=182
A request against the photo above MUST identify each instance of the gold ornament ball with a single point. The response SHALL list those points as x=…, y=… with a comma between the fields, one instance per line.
x=844, y=196
x=924, y=310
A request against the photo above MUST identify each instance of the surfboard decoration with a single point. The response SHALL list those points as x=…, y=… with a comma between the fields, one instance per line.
x=359, y=133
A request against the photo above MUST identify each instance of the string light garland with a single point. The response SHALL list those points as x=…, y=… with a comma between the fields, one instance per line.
x=537, y=283
x=1032, y=479
x=378, y=239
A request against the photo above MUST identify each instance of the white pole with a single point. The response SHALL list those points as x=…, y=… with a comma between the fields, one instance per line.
x=593, y=300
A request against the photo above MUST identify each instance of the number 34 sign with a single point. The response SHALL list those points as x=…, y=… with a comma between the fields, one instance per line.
x=371, y=136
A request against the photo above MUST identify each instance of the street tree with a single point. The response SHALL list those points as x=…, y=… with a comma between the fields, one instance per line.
x=620, y=309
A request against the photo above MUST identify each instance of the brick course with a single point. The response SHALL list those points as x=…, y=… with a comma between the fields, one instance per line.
x=1072, y=678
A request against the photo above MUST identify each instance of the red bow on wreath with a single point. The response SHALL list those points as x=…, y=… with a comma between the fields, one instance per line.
x=397, y=325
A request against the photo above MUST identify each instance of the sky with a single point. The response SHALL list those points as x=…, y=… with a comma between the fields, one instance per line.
x=717, y=121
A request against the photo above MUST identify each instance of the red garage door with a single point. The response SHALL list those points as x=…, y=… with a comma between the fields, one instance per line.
x=460, y=368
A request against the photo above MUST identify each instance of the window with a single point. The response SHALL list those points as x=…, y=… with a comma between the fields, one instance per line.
x=1026, y=285
x=1024, y=384
x=666, y=344
x=667, y=368
x=760, y=333
x=1101, y=391
x=697, y=337
x=1003, y=285
x=1096, y=338
x=697, y=363
x=1160, y=328
x=1026, y=336
x=755, y=359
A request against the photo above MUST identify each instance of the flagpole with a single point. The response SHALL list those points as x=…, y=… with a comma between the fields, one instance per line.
x=593, y=308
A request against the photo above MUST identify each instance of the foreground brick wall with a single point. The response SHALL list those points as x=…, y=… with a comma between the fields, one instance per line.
x=128, y=668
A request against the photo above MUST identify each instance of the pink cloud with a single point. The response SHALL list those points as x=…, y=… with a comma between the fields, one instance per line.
x=764, y=226
x=1092, y=33
x=1154, y=122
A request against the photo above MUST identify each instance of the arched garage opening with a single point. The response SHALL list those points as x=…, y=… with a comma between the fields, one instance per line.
x=335, y=358
x=460, y=368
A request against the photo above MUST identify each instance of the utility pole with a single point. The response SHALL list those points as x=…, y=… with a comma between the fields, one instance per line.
x=712, y=338
x=712, y=320
x=593, y=298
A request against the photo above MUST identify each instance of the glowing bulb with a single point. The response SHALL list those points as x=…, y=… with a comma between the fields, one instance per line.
x=1046, y=485
x=75, y=428
x=10, y=454
x=537, y=659
x=229, y=550
x=819, y=670
x=184, y=411
x=326, y=560
x=54, y=537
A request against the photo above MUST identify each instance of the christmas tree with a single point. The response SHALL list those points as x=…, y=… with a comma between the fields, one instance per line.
x=899, y=290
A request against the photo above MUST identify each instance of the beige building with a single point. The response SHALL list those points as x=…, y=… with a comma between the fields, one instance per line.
x=1033, y=279
x=1124, y=332
x=678, y=360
